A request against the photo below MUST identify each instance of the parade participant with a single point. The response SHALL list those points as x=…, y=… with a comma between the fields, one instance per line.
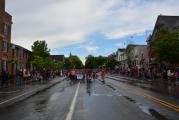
x=103, y=73
x=73, y=75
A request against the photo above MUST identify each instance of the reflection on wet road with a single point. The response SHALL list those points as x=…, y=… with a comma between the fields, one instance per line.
x=94, y=101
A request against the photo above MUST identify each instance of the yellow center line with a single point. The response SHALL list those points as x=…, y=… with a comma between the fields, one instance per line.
x=154, y=99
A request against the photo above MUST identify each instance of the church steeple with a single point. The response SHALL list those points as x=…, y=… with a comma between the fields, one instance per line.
x=70, y=54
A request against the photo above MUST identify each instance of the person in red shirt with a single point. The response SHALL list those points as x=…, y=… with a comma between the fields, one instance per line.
x=73, y=75
x=103, y=73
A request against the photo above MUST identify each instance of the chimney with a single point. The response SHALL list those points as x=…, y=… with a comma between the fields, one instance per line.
x=2, y=5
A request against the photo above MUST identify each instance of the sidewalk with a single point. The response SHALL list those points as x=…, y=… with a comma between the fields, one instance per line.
x=141, y=83
x=12, y=95
x=147, y=84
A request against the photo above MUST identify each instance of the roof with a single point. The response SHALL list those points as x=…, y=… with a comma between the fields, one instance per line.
x=135, y=45
x=170, y=22
x=121, y=49
x=58, y=57
x=18, y=46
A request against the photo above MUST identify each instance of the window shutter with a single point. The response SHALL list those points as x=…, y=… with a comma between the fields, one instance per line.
x=8, y=45
x=2, y=46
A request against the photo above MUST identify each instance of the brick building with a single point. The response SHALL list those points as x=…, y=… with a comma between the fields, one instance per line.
x=60, y=58
x=12, y=56
x=20, y=58
x=5, y=37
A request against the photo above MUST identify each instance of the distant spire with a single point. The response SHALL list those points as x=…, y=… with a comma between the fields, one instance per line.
x=70, y=54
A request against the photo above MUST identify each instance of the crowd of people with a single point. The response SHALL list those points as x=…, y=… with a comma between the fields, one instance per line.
x=168, y=74
x=24, y=76
x=86, y=75
x=81, y=75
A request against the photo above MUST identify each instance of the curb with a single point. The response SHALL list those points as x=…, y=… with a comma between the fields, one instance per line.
x=129, y=82
x=27, y=94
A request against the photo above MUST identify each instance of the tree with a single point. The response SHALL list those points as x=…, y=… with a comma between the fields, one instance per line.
x=39, y=48
x=166, y=45
x=129, y=55
x=73, y=62
x=90, y=62
x=40, y=55
x=40, y=63
x=56, y=65
x=95, y=62
x=111, y=62
x=68, y=64
x=76, y=62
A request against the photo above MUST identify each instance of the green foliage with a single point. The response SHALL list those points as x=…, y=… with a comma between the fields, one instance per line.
x=40, y=63
x=68, y=64
x=129, y=55
x=77, y=63
x=39, y=48
x=73, y=62
x=41, y=55
x=94, y=62
x=56, y=65
x=111, y=62
x=90, y=62
x=166, y=46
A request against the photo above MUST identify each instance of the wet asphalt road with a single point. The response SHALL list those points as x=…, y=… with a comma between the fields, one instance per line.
x=97, y=101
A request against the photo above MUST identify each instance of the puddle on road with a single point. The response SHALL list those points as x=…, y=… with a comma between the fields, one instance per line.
x=152, y=112
x=148, y=110
x=157, y=115
x=144, y=108
x=130, y=99
x=111, y=87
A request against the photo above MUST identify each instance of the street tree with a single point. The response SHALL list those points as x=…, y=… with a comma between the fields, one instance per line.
x=73, y=62
x=95, y=62
x=90, y=62
x=166, y=45
x=40, y=55
x=40, y=63
x=111, y=62
x=68, y=64
x=129, y=55
x=76, y=62
x=56, y=65
x=40, y=48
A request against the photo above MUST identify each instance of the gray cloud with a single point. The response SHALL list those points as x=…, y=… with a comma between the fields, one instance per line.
x=66, y=22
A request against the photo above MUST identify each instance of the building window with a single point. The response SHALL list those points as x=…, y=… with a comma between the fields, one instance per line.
x=7, y=29
x=14, y=68
x=14, y=52
x=4, y=46
x=4, y=65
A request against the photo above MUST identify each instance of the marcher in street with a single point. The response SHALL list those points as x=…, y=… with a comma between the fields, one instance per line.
x=72, y=76
x=103, y=73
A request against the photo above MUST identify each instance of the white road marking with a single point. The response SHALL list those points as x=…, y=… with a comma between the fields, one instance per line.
x=11, y=91
x=72, y=107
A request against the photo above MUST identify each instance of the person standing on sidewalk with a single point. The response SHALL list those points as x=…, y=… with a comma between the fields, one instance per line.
x=18, y=77
x=3, y=75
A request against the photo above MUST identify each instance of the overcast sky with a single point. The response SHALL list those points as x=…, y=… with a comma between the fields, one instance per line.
x=85, y=27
